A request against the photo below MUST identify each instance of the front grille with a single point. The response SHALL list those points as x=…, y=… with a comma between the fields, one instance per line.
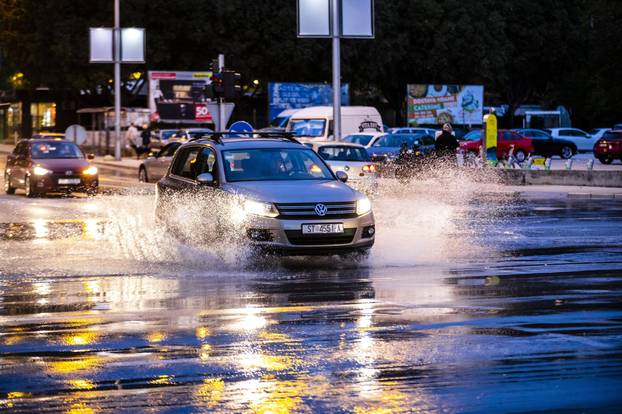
x=296, y=237
x=334, y=210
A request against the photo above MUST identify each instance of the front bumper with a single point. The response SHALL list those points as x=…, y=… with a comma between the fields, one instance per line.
x=54, y=183
x=281, y=236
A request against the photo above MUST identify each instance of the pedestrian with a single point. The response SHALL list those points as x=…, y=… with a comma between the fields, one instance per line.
x=446, y=144
x=145, y=137
x=131, y=137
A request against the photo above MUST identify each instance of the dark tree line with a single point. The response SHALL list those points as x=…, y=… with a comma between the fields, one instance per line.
x=553, y=52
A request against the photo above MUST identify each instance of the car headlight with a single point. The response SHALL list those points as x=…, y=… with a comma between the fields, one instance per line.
x=260, y=208
x=40, y=171
x=92, y=170
x=363, y=206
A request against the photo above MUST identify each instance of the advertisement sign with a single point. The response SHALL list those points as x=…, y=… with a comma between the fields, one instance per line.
x=438, y=104
x=179, y=96
x=282, y=96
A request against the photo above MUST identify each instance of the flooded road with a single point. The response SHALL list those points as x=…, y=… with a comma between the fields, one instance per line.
x=468, y=303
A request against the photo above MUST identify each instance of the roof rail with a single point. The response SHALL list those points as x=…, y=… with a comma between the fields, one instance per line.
x=218, y=135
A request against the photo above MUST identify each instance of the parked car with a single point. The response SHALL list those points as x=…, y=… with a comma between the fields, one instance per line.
x=583, y=140
x=155, y=166
x=609, y=147
x=523, y=146
x=41, y=166
x=387, y=147
x=547, y=146
x=283, y=197
x=366, y=138
x=412, y=130
x=351, y=158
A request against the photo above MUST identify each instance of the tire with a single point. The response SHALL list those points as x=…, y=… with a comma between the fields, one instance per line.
x=605, y=160
x=520, y=156
x=142, y=175
x=7, y=185
x=91, y=192
x=566, y=152
x=30, y=192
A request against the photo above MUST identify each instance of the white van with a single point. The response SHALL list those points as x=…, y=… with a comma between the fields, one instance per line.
x=316, y=122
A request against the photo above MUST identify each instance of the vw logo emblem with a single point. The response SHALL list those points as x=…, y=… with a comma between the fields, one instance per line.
x=68, y=172
x=320, y=209
x=346, y=168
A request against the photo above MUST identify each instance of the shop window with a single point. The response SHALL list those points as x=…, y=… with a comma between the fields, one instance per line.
x=43, y=115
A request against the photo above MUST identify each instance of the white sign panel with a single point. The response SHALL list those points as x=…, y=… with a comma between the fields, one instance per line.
x=357, y=18
x=101, y=45
x=133, y=45
x=314, y=18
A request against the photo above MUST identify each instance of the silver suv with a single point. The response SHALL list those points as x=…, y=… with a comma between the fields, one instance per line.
x=282, y=196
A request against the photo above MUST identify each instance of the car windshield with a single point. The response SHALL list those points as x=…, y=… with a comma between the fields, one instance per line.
x=308, y=127
x=594, y=131
x=473, y=136
x=358, y=139
x=280, y=164
x=169, y=133
x=396, y=140
x=612, y=135
x=279, y=121
x=56, y=149
x=343, y=153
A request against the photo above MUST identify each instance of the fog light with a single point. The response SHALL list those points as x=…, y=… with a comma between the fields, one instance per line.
x=369, y=232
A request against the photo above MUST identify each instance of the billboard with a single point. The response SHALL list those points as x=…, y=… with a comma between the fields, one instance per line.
x=282, y=96
x=179, y=96
x=438, y=104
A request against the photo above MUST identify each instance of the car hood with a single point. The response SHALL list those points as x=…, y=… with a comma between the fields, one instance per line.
x=60, y=165
x=302, y=191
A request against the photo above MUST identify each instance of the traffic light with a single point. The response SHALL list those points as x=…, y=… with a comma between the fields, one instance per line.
x=231, y=81
x=218, y=85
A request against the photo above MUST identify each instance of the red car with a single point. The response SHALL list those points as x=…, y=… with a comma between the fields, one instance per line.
x=523, y=146
x=609, y=147
x=42, y=166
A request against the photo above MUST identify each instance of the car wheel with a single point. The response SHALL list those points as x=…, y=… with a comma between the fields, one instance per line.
x=566, y=152
x=7, y=185
x=520, y=156
x=30, y=192
x=605, y=160
x=91, y=192
x=142, y=175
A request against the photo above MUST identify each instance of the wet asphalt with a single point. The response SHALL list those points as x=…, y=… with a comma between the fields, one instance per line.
x=468, y=303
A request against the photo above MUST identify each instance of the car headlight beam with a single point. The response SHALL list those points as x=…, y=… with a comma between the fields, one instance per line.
x=40, y=171
x=260, y=208
x=92, y=170
x=363, y=206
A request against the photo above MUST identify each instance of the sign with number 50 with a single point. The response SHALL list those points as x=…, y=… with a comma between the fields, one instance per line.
x=201, y=113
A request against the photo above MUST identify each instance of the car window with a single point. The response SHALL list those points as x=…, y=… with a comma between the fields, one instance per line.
x=567, y=132
x=612, y=135
x=506, y=136
x=169, y=150
x=475, y=135
x=279, y=164
x=55, y=149
x=308, y=127
x=358, y=139
x=396, y=140
x=186, y=164
x=20, y=149
x=343, y=153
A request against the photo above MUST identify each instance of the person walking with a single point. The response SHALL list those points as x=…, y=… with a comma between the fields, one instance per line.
x=145, y=140
x=446, y=144
x=131, y=137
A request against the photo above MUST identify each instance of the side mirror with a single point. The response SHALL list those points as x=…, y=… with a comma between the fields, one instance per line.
x=205, y=179
x=342, y=176
x=90, y=157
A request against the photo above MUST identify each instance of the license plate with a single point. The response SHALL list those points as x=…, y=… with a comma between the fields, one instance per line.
x=322, y=228
x=69, y=181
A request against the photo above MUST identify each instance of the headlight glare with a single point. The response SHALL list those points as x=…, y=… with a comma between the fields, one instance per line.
x=363, y=206
x=40, y=171
x=92, y=170
x=260, y=208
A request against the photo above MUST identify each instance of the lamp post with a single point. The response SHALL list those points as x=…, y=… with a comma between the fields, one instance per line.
x=117, y=81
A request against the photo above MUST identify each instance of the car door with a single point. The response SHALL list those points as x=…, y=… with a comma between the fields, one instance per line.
x=21, y=162
x=584, y=141
x=10, y=168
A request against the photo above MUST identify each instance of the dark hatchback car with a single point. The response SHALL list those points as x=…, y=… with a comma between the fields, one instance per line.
x=609, y=147
x=545, y=145
x=41, y=166
x=387, y=147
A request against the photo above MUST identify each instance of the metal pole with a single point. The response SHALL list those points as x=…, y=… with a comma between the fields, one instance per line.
x=222, y=119
x=117, y=81
x=336, y=71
